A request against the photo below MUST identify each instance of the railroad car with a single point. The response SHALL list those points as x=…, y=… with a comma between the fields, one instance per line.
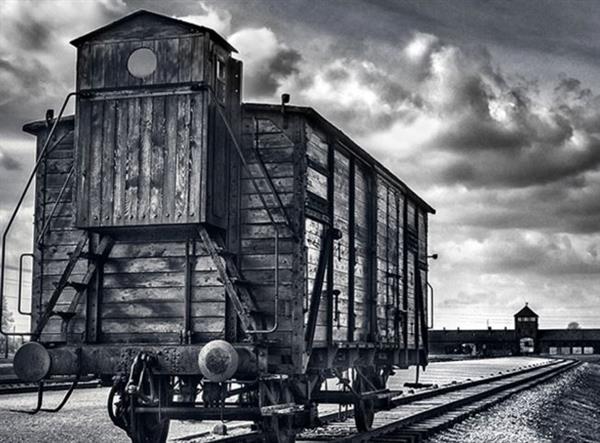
x=211, y=259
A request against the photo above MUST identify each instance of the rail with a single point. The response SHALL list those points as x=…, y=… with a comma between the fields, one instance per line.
x=408, y=411
x=45, y=148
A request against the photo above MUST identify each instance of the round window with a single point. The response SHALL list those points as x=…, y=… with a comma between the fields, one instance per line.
x=141, y=63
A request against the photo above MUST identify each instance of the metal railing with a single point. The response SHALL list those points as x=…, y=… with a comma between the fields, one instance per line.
x=45, y=149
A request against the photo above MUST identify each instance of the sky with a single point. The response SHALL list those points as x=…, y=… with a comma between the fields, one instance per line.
x=488, y=110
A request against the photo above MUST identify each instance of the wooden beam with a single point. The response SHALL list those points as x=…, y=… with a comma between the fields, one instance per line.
x=244, y=305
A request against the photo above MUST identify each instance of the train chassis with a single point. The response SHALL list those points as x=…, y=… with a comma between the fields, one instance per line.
x=144, y=402
x=215, y=381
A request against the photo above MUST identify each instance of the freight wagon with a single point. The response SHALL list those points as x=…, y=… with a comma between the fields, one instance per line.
x=211, y=259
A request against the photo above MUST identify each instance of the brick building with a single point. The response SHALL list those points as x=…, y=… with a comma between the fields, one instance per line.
x=525, y=338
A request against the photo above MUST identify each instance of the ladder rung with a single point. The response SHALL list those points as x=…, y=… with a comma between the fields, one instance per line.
x=78, y=286
x=65, y=315
x=226, y=254
x=92, y=256
x=241, y=282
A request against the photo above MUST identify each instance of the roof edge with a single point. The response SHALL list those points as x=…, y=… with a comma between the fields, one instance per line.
x=77, y=42
x=311, y=112
x=35, y=127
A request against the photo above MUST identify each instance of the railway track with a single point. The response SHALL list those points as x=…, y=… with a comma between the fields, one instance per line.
x=416, y=416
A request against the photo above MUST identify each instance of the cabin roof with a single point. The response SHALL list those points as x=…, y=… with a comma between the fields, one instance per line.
x=312, y=114
x=37, y=126
x=526, y=312
x=159, y=17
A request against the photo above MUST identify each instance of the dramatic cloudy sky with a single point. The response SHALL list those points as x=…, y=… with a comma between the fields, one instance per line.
x=489, y=110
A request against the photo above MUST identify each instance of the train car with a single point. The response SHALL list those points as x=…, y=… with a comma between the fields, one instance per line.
x=211, y=259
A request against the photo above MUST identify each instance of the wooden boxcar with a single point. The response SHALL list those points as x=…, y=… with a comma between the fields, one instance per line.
x=216, y=260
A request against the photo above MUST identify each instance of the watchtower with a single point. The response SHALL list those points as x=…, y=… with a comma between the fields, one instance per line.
x=526, y=327
x=150, y=149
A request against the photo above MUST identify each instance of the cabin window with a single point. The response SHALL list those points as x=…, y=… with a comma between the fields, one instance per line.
x=221, y=80
x=141, y=62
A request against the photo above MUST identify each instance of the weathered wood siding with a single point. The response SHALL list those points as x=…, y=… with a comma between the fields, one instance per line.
x=144, y=293
x=145, y=145
x=341, y=250
x=52, y=255
x=266, y=140
x=317, y=204
x=362, y=225
x=389, y=260
x=143, y=161
x=103, y=64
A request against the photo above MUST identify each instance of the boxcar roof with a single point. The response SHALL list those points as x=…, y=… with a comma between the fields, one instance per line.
x=159, y=17
x=313, y=115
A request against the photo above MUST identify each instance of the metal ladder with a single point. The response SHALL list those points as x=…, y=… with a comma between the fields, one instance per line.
x=48, y=146
x=238, y=289
x=96, y=260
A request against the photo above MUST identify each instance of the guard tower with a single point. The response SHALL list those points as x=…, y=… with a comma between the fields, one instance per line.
x=146, y=130
x=526, y=329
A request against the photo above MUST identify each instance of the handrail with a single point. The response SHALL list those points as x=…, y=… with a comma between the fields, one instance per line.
x=19, y=297
x=16, y=210
x=265, y=206
x=431, y=305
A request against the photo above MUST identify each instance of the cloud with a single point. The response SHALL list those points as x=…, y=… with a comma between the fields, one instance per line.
x=218, y=20
x=9, y=163
x=268, y=63
x=37, y=64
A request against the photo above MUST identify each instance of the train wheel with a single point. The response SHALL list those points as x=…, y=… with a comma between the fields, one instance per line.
x=277, y=428
x=364, y=409
x=149, y=427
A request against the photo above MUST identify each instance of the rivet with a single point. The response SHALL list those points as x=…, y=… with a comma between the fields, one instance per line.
x=95, y=217
x=191, y=214
x=106, y=218
x=167, y=215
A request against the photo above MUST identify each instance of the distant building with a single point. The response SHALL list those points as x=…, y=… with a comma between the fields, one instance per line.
x=525, y=338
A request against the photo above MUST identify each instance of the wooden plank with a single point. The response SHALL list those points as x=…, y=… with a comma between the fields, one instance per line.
x=120, y=162
x=123, y=51
x=198, y=58
x=95, y=178
x=83, y=67
x=170, y=165
x=97, y=66
x=197, y=159
x=142, y=325
x=132, y=170
x=183, y=156
x=110, y=66
x=144, y=215
x=157, y=168
x=153, y=249
x=161, y=309
x=185, y=59
x=108, y=148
